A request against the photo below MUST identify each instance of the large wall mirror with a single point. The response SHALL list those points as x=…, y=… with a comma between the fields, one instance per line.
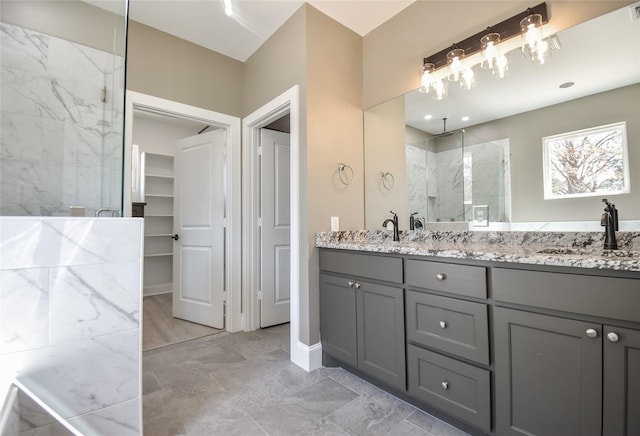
x=485, y=163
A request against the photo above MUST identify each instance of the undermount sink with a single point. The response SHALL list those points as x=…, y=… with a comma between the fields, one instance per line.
x=590, y=252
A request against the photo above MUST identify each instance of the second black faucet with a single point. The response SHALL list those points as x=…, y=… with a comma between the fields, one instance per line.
x=394, y=221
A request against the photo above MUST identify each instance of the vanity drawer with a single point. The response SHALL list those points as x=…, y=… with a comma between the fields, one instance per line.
x=607, y=297
x=455, y=326
x=388, y=269
x=465, y=280
x=456, y=388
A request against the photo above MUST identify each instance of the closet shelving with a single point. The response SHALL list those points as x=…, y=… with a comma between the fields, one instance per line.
x=157, y=188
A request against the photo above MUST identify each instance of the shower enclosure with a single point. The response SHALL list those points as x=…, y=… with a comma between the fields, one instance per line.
x=61, y=136
x=458, y=176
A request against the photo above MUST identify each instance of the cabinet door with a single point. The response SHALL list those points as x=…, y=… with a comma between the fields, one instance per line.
x=381, y=347
x=548, y=375
x=621, y=408
x=338, y=318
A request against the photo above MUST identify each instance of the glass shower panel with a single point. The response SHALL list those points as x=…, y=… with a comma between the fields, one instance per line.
x=62, y=107
x=449, y=175
x=489, y=177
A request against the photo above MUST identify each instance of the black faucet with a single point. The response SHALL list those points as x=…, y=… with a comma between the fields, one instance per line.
x=609, y=220
x=394, y=221
x=412, y=221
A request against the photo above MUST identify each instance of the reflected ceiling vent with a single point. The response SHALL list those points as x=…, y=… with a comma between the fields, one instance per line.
x=634, y=10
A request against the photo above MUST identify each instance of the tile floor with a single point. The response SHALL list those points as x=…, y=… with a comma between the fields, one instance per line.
x=244, y=384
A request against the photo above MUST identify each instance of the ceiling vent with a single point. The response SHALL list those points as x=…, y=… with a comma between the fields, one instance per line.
x=634, y=10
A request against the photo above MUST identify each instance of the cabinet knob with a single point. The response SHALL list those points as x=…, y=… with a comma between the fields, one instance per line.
x=592, y=333
x=613, y=337
x=445, y=385
x=358, y=285
x=350, y=283
x=175, y=237
x=443, y=324
x=441, y=277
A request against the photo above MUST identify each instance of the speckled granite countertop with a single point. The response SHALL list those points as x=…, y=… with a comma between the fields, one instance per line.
x=569, y=249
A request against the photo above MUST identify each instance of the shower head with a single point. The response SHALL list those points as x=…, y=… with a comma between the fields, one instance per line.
x=444, y=130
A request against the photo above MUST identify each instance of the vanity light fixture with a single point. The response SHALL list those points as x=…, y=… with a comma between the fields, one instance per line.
x=428, y=83
x=492, y=57
x=459, y=71
x=228, y=9
x=487, y=48
x=534, y=45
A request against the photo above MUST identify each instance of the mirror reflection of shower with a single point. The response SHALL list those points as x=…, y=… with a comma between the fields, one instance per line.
x=62, y=120
x=450, y=173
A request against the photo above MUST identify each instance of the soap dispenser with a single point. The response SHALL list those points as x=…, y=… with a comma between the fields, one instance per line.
x=412, y=221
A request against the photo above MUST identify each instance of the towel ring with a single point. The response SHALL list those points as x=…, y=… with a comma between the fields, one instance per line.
x=387, y=180
x=345, y=174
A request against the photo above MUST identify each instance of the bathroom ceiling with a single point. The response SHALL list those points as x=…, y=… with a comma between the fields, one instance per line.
x=204, y=22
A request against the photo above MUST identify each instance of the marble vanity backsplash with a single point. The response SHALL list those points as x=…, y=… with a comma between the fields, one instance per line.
x=574, y=249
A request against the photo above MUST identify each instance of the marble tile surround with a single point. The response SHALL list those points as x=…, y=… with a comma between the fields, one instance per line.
x=60, y=145
x=70, y=299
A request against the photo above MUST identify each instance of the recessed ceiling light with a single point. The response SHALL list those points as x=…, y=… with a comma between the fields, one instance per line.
x=567, y=85
x=428, y=117
x=465, y=118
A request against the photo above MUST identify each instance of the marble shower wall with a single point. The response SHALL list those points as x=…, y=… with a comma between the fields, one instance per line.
x=70, y=299
x=60, y=144
x=436, y=181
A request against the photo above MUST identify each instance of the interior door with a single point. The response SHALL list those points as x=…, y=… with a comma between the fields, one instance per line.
x=275, y=249
x=199, y=213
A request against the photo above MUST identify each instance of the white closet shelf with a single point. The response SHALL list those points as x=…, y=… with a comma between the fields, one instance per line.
x=159, y=176
x=158, y=254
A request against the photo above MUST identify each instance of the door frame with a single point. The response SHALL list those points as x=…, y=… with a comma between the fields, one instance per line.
x=305, y=356
x=233, y=251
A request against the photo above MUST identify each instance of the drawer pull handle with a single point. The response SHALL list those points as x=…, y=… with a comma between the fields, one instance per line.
x=592, y=333
x=351, y=283
x=443, y=324
x=358, y=285
x=441, y=277
x=613, y=337
x=445, y=385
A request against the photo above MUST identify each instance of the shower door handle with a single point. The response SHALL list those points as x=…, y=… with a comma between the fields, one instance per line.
x=175, y=237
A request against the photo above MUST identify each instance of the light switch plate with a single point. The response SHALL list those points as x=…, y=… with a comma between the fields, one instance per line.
x=335, y=223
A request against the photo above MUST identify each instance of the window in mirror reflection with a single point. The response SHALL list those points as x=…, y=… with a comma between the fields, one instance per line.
x=586, y=162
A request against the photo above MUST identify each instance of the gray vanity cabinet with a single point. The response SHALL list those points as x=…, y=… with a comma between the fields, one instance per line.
x=548, y=375
x=338, y=318
x=380, y=327
x=362, y=321
x=556, y=375
x=621, y=382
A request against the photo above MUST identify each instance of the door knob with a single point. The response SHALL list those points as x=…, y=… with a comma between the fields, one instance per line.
x=613, y=337
x=592, y=333
x=175, y=237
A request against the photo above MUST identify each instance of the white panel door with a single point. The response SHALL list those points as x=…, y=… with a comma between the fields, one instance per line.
x=199, y=209
x=275, y=250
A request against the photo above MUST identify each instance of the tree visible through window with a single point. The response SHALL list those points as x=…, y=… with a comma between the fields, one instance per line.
x=586, y=162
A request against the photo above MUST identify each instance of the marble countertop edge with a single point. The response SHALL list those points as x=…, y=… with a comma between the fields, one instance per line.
x=578, y=256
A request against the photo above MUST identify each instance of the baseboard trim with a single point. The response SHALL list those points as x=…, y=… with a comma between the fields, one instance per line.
x=307, y=357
